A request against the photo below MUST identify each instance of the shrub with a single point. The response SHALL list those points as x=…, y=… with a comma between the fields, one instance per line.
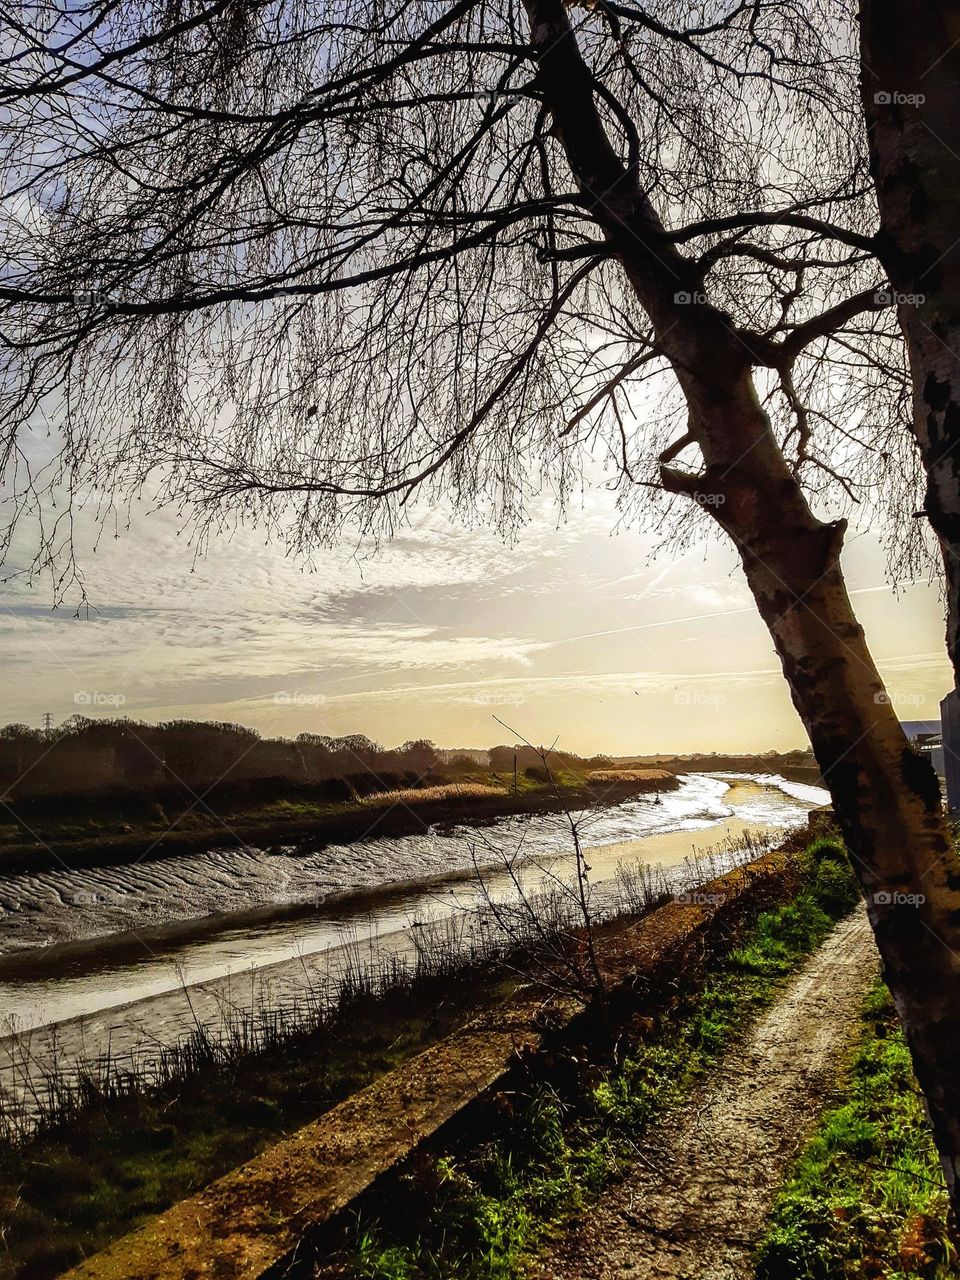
x=337, y=789
x=835, y=887
x=827, y=849
x=798, y=926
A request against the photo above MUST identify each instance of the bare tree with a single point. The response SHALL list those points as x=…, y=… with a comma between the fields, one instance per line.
x=301, y=262
x=909, y=85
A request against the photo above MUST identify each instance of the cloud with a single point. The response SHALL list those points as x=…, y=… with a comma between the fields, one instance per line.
x=584, y=633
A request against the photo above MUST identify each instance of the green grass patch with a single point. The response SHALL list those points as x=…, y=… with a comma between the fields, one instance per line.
x=866, y=1198
x=480, y=1214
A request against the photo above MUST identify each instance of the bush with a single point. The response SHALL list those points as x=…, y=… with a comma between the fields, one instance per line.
x=798, y=926
x=827, y=849
x=831, y=883
x=368, y=783
x=337, y=789
x=835, y=887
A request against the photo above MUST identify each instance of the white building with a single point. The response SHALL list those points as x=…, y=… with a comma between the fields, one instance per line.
x=927, y=738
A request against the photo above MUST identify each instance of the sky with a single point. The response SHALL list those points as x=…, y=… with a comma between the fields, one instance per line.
x=579, y=632
x=584, y=632
x=574, y=632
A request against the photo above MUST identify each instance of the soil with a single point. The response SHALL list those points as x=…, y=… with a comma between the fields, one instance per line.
x=695, y=1204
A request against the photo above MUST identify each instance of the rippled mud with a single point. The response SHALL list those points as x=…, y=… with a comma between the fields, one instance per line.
x=49, y=907
x=128, y=959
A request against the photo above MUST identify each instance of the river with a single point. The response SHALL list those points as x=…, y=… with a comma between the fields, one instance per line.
x=127, y=959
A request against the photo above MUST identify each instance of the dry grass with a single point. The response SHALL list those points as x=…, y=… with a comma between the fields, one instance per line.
x=443, y=791
x=628, y=775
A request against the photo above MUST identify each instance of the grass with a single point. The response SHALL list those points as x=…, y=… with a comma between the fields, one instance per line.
x=625, y=775
x=482, y=1213
x=122, y=1156
x=866, y=1199
x=437, y=791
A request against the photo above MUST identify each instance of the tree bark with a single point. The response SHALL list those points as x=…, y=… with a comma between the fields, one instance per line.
x=887, y=798
x=910, y=73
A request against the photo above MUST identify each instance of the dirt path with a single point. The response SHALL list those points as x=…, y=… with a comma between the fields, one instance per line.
x=696, y=1204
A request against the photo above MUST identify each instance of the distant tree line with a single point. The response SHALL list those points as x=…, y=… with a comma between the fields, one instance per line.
x=530, y=762
x=85, y=756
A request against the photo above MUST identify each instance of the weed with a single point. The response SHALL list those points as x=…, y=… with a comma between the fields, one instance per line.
x=827, y=849
x=121, y=1156
x=866, y=1197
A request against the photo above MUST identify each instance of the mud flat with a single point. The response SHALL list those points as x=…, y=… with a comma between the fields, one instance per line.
x=145, y=976
x=228, y=889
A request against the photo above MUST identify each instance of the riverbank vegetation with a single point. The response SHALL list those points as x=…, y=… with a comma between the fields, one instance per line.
x=480, y=1211
x=115, y=1150
x=97, y=1149
x=866, y=1198
x=126, y=757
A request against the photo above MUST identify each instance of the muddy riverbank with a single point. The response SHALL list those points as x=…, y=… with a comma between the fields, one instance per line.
x=221, y=886
x=34, y=847
x=135, y=995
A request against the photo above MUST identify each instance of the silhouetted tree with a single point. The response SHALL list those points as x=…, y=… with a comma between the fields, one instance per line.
x=420, y=755
x=910, y=72
x=318, y=258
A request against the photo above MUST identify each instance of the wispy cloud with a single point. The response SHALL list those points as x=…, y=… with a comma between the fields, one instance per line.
x=576, y=631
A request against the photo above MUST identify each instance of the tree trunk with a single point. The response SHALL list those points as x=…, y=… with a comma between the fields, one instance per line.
x=886, y=797
x=910, y=72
